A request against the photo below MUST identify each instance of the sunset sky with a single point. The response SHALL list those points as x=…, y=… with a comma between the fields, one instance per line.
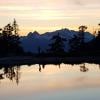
x=49, y=15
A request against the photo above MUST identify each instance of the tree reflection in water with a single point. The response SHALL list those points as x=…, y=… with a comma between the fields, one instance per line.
x=13, y=72
x=10, y=72
x=83, y=68
x=1, y=76
x=99, y=66
x=41, y=66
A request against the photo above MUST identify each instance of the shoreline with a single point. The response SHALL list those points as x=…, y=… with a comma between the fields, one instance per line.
x=27, y=60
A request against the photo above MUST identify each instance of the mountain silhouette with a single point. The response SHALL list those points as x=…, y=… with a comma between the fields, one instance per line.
x=34, y=40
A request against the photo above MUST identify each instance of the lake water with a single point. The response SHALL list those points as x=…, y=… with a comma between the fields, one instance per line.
x=50, y=82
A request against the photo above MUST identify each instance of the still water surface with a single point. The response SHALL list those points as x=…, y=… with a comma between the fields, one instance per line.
x=50, y=82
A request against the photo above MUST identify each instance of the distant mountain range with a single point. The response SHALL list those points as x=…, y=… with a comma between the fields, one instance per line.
x=34, y=40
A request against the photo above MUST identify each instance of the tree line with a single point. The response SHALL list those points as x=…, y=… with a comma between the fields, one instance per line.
x=10, y=40
x=78, y=46
x=10, y=43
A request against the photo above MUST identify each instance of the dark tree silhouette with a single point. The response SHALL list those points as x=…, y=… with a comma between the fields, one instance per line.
x=77, y=42
x=96, y=44
x=15, y=27
x=82, y=30
x=9, y=41
x=99, y=28
x=57, y=45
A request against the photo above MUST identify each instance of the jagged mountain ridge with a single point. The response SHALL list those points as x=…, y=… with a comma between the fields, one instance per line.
x=34, y=40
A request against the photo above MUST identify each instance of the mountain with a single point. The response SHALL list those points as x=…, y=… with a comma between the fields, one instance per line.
x=33, y=41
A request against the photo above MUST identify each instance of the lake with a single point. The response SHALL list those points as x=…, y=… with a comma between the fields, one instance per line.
x=50, y=82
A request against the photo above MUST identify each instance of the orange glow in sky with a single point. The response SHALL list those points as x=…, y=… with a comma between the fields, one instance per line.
x=49, y=15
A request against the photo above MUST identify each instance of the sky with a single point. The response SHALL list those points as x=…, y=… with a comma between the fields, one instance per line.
x=49, y=15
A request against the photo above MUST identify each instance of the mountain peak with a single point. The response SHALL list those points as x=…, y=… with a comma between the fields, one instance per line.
x=31, y=42
x=33, y=34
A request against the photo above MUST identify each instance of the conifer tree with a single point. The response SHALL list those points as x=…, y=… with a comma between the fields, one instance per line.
x=77, y=42
x=15, y=27
x=9, y=42
x=57, y=45
x=82, y=30
x=74, y=43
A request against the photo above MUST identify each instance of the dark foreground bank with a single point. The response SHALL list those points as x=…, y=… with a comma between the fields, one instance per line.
x=47, y=60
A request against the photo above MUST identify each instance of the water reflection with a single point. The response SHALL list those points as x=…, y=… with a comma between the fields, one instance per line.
x=1, y=76
x=99, y=66
x=50, y=82
x=13, y=73
x=41, y=66
x=10, y=72
x=83, y=68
